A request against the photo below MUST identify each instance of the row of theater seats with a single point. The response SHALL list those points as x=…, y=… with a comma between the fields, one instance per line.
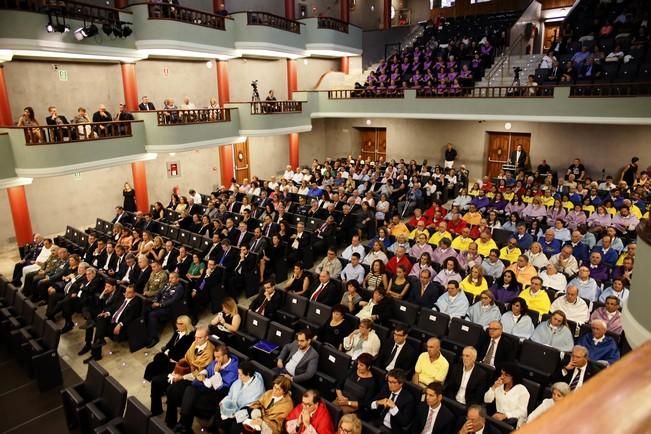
x=30, y=336
x=99, y=405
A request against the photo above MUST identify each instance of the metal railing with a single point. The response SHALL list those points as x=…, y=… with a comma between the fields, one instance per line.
x=271, y=20
x=52, y=134
x=504, y=63
x=274, y=107
x=67, y=9
x=332, y=24
x=163, y=11
x=365, y=93
x=192, y=116
x=610, y=90
x=490, y=92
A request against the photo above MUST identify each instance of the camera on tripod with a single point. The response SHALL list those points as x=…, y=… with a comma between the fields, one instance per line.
x=255, y=96
x=254, y=84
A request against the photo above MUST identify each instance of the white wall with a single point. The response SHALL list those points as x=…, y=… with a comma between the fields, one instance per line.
x=268, y=155
x=199, y=170
x=313, y=144
x=309, y=71
x=271, y=74
x=7, y=234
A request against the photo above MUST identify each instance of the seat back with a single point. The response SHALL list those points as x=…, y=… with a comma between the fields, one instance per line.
x=51, y=335
x=95, y=377
x=157, y=426
x=464, y=332
x=333, y=363
x=405, y=312
x=542, y=358
x=185, y=237
x=256, y=325
x=433, y=323
x=267, y=374
x=113, y=398
x=318, y=313
x=280, y=334
x=335, y=412
x=38, y=323
x=534, y=393
x=136, y=416
x=295, y=305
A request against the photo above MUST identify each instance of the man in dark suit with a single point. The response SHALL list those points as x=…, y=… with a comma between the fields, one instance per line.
x=519, y=158
x=114, y=320
x=98, y=256
x=476, y=421
x=208, y=288
x=432, y=417
x=120, y=215
x=183, y=262
x=324, y=236
x=578, y=370
x=394, y=407
x=227, y=260
x=146, y=105
x=268, y=301
x=120, y=262
x=258, y=243
x=244, y=277
x=302, y=371
x=54, y=119
x=169, y=258
x=241, y=237
x=111, y=258
x=400, y=355
x=161, y=308
x=300, y=247
x=90, y=249
x=213, y=251
x=57, y=298
x=466, y=382
x=494, y=349
x=269, y=227
x=428, y=296
x=143, y=275
x=325, y=291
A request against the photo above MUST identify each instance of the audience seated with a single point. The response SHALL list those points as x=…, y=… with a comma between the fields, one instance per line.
x=311, y=415
x=554, y=332
x=298, y=360
x=510, y=396
x=466, y=383
x=601, y=347
x=431, y=365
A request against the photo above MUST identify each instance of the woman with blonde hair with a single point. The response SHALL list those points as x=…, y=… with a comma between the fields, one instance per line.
x=349, y=424
x=173, y=351
x=157, y=252
x=228, y=321
x=147, y=244
x=474, y=283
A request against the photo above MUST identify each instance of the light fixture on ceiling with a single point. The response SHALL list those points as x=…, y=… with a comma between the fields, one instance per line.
x=507, y=126
x=86, y=32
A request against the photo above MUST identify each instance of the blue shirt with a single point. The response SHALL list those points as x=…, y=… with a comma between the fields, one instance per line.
x=315, y=192
x=456, y=308
x=550, y=249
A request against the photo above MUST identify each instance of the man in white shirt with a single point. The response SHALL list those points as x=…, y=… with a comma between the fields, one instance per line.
x=187, y=104
x=354, y=247
x=289, y=173
x=466, y=383
x=354, y=270
x=432, y=416
x=46, y=251
x=574, y=307
x=552, y=278
x=195, y=196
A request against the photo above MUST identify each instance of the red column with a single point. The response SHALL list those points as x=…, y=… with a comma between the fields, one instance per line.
x=222, y=83
x=226, y=164
x=292, y=80
x=5, y=110
x=139, y=173
x=20, y=215
x=290, y=9
x=345, y=65
x=130, y=85
x=387, y=14
x=216, y=5
x=293, y=149
x=344, y=13
x=121, y=4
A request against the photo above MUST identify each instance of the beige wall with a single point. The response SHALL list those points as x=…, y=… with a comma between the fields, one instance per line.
x=271, y=74
x=312, y=144
x=199, y=170
x=7, y=234
x=310, y=73
x=268, y=155
x=160, y=79
x=557, y=143
x=37, y=84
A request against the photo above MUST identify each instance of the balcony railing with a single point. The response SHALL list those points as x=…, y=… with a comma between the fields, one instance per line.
x=610, y=90
x=163, y=11
x=194, y=116
x=489, y=92
x=365, y=93
x=274, y=107
x=271, y=20
x=67, y=9
x=48, y=135
x=332, y=24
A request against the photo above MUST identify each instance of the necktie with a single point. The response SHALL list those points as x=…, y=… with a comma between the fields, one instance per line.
x=266, y=232
x=118, y=312
x=221, y=261
x=238, y=269
x=271, y=403
x=260, y=309
x=317, y=292
x=255, y=244
x=393, y=353
x=429, y=424
x=239, y=242
x=490, y=353
x=386, y=409
x=575, y=381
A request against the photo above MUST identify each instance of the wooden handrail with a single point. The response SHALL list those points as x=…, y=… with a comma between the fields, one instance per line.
x=254, y=18
x=615, y=401
x=192, y=116
x=275, y=107
x=83, y=132
x=164, y=11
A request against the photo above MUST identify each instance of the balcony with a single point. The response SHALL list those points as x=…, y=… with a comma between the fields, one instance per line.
x=255, y=30
x=64, y=149
x=183, y=130
x=259, y=118
x=174, y=31
x=330, y=37
x=628, y=103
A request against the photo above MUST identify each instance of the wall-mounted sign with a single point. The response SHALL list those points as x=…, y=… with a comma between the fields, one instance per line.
x=173, y=169
x=63, y=74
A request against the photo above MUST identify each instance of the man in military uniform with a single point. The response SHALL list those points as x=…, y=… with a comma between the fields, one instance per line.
x=161, y=308
x=49, y=267
x=157, y=280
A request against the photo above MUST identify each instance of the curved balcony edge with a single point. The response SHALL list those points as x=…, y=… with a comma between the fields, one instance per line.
x=83, y=166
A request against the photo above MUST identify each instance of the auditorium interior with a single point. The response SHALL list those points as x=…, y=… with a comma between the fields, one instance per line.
x=325, y=216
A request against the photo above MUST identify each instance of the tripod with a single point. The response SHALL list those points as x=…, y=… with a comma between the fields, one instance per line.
x=255, y=96
x=516, y=80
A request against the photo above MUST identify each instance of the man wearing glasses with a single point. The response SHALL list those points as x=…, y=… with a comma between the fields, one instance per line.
x=394, y=405
x=311, y=416
x=399, y=355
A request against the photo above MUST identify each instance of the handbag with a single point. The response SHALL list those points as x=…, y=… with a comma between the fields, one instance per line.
x=182, y=367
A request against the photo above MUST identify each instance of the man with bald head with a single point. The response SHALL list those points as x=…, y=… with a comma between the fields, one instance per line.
x=102, y=115
x=431, y=365
x=325, y=290
x=466, y=383
x=574, y=307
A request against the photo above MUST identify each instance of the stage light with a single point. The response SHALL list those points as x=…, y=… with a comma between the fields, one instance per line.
x=107, y=29
x=126, y=31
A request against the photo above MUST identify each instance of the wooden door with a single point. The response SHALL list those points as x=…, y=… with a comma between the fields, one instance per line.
x=500, y=146
x=552, y=32
x=241, y=158
x=374, y=143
